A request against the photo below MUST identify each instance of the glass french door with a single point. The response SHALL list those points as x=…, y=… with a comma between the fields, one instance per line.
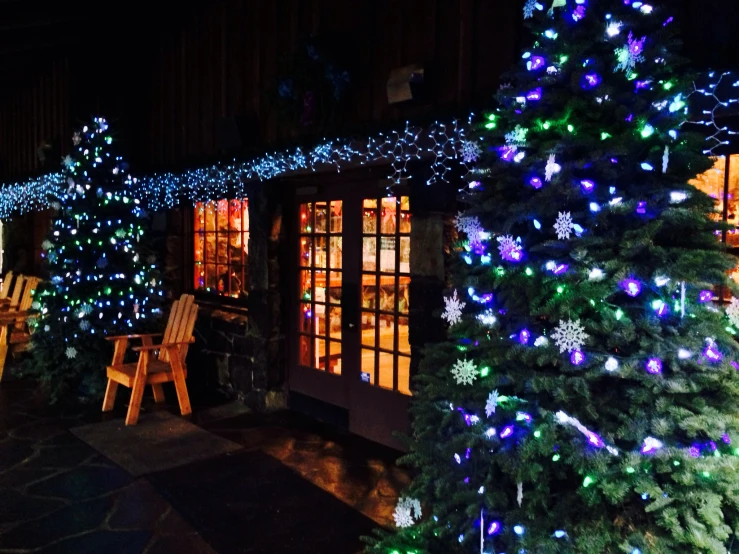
x=352, y=306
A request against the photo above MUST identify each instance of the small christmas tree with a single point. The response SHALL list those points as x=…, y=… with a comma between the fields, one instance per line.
x=587, y=400
x=98, y=282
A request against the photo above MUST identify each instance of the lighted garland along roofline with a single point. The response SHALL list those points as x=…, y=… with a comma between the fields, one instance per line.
x=443, y=144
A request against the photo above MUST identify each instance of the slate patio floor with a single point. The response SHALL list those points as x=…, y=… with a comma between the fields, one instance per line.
x=289, y=485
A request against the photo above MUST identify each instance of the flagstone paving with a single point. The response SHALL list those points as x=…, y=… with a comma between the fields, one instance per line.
x=292, y=485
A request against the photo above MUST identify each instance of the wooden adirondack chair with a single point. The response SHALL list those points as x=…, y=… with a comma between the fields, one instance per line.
x=157, y=363
x=15, y=333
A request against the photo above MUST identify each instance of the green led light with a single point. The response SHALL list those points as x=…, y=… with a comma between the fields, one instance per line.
x=537, y=434
x=485, y=371
x=499, y=271
x=546, y=125
x=529, y=272
x=668, y=85
x=587, y=481
x=556, y=458
x=560, y=289
x=604, y=136
x=619, y=314
x=706, y=474
x=490, y=125
x=563, y=59
x=571, y=129
x=676, y=463
x=647, y=131
x=630, y=470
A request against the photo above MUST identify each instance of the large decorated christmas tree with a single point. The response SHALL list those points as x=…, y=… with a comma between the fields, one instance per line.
x=587, y=398
x=100, y=281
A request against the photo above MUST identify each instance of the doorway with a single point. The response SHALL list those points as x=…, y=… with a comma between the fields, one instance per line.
x=351, y=305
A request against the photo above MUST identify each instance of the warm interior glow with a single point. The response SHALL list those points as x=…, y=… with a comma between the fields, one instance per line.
x=221, y=235
x=712, y=183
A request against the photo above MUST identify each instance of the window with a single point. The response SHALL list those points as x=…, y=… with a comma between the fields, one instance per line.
x=221, y=247
x=712, y=182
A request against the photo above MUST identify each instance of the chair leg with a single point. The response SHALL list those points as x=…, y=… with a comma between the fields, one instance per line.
x=109, y=400
x=179, y=382
x=158, y=393
x=137, y=391
x=3, y=356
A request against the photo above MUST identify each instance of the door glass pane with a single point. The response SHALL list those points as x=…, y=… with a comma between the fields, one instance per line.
x=388, y=215
x=306, y=318
x=369, y=254
x=368, y=328
x=320, y=355
x=405, y=255
x=321, y=252
x=334, y=291
x=334, y=357
x=304, y=354
x=306, y=218
x=403, y=345
x=369, y=217
x=404, y=283
x=369, y=291
x=321, y=217
x=335, y=259
x=386, y=370
x=335, y=322
x=387, y=254
x=368, y=366
x=404, y=374
x=336, y=217
x=210, y=216
x=222, y=216
x=405, y=215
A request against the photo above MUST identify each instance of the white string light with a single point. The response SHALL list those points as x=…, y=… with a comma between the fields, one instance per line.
x=709, y=116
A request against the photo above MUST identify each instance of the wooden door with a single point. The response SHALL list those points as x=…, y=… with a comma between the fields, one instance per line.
x=350, y=326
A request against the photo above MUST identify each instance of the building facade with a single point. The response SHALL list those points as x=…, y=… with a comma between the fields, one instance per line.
x=319, y=287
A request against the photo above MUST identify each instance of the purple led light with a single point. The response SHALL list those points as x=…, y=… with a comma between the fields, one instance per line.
x=560, y=269
x=534, y=95
x=713, y=446
x=524, y=336
x=577, y=357
x=587, y=186
x=662, y=309
x=591, y=80
x=536, y=182
x=631, y=116
x=467, y=454
x=712, y=353
x=536, y=62
x=641, y=207
x=669, y=20
x=705, y=296
x=636, y=46
x=694, y=451
x=579, y=13
x=654, y=366
x=735, y=365
x=494, y=528
x=641, y=84
x=514, y=254
x=507, y=153
x=506, y=432
x=523, y=416
x=632, y=287
x=726, y=438
x=466, y=480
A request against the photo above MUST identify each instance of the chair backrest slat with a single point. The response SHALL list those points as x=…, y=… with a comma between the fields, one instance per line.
x=177, y=323
x=27, y=300
x=7, y=282
x=189, y=328
x=17, y=290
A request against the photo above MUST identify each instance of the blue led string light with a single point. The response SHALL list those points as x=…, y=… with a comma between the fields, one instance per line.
x=441, y=144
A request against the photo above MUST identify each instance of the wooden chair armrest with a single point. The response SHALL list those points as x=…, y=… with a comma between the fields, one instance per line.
x=119, y=337
x=11, y=317
x=163, y=345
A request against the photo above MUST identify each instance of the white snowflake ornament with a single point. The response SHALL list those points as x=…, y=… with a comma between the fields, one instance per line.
x=470, y=226
x=464, y=372
x=407, y=512
x=470, y=151
x=551, y=168
x=71, y=352
x=453, y=309
x=629, y=55
x=569, y=336
x=509, y=248
x=492, y=403
x=528, y=9
x=564, y=225
x=732, y=312
x=68, y=162
x=517, y=137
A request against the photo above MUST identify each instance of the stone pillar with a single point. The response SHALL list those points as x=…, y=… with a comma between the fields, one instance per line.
x=264, y=302
x=432, y=207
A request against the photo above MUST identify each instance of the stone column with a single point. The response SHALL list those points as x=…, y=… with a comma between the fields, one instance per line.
x=264, y=302
x=432, y=207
